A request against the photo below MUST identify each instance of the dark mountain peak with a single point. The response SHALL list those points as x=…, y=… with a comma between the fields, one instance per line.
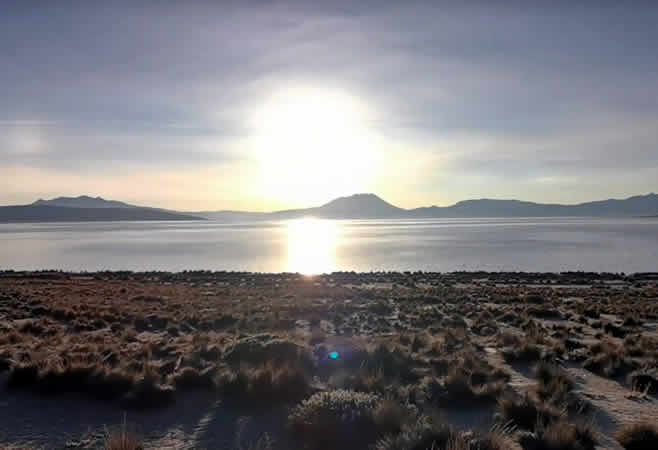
x=359, y=205
x=85, y=208
x=82, y=201
x=361, y=199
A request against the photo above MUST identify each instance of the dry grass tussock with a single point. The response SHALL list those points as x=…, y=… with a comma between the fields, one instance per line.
x=265, y=385
x=469, y=381
x=406, y=345
x=638, y=436
x=121, y=439
x=560, y=435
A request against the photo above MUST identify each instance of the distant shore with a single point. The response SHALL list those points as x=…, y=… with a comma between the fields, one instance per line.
x=343, y=277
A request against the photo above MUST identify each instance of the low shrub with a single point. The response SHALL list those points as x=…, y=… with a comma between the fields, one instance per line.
x=641, y=346
x=609, y=364
x=644, y=381
x=535, y=299
x=264, y=349
x=264, y=385
x=121, y=439
x=391, y=417
x=638, y=436
x=133, y=391
x=591, y=313
x=425, y=433
x=527, y=352
x=615, y=331
x=556, y=387
x=544, y=312
x=146, y=393
x=362, y=380
x=560, y=435
x=392, y=362
x=457, y=389
x=190, y=378
x=328, y=420
x=527, y=412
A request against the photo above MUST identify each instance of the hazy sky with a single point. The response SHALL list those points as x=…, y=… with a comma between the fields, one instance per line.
x=269, y=105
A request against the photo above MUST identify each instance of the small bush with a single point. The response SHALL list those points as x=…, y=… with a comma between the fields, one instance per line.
x=457, y=389
x=636, y=345
x=264, y=385
x=391, y=417
x=109, y=384
x=143, y=391
x=423, y=434
x=631, y=322
x=527, y=352
x=535, y=299
x=644, y=381
x=614, y=330
x=609, y=364
x=380, y=308
x=190, y=378
x=371, y=370
x=508, y=339
x=592, y=313
x=363, y=380
x=121, y=439
x=264, y=349
x=556, y=387
x=526, y=413
x=328, y=420
x=544, y=312
x=393, y=363
x=148, y=393
x=638, y=436
x=560, y=435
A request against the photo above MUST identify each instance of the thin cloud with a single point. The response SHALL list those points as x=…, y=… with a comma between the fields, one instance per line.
x=521, y=92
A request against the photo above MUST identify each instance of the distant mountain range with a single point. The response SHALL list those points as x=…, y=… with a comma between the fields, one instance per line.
x=85, y=209
x=83, y=201
x=358, y=206
x=370, y=206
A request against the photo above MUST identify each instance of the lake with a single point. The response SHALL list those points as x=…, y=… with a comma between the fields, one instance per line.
x=317, y=246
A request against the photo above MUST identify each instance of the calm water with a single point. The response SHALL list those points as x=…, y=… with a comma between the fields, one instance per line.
x=314, y=246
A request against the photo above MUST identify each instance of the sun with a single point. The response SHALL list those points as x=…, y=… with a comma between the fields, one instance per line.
x=313, y=143
x=312, y=246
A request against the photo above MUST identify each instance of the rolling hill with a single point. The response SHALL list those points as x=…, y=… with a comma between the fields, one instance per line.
x=85, y=209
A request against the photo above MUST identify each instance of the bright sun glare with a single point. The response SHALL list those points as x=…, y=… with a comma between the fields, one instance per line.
x=313, y=144
x=311, y=246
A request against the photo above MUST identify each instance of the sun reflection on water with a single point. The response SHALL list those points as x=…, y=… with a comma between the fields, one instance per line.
x=311, y=246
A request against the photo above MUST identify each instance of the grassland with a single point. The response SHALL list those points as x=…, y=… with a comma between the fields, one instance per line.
x=379, y=360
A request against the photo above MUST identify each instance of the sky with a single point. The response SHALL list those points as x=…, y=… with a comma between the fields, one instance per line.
x=270, y=105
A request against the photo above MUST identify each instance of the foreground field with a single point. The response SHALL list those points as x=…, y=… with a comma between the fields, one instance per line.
x=381, y=360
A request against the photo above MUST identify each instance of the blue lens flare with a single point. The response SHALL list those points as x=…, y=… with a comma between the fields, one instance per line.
x=333, y=355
